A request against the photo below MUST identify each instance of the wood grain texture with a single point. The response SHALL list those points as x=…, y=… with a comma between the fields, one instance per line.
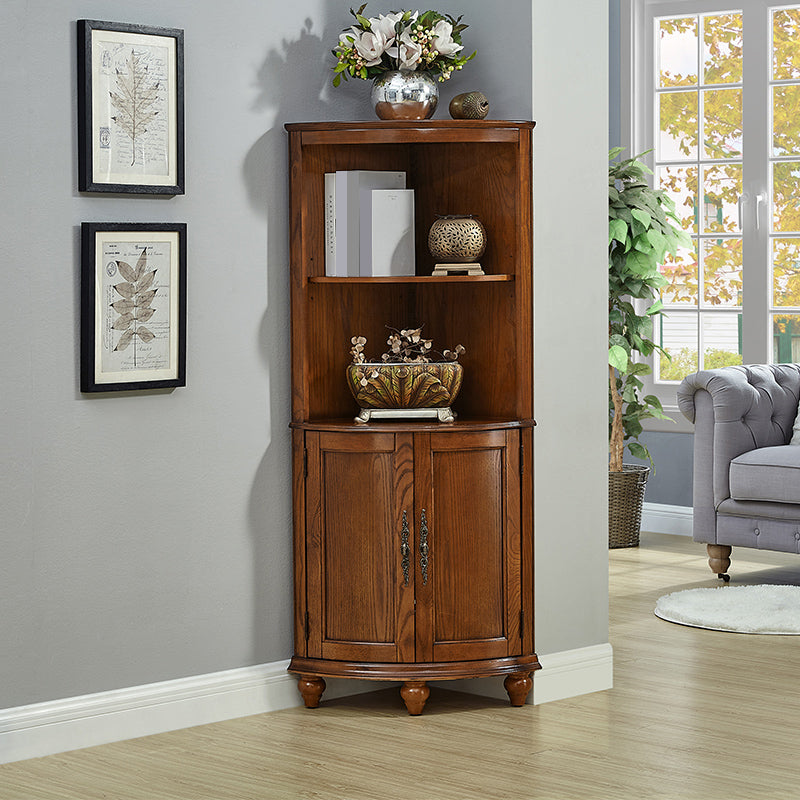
x=694, y=715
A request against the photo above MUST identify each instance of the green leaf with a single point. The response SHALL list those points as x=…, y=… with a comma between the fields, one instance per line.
x=617, y=231
x=619, y=341
x=618, y=358
x=642, y=216
x=655, y=308
x=638, y=450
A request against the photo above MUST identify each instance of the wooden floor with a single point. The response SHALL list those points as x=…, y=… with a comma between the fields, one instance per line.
x=694, y=714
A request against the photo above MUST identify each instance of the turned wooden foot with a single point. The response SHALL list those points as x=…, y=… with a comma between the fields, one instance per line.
x=414, y=694
x=311, y=687
x=518, y=685
x=719, y=559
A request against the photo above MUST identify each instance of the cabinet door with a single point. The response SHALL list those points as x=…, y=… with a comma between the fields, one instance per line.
x=467, y=497
x=359, y=531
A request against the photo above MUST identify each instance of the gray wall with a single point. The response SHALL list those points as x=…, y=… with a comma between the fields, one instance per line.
x=147, y=536
x=570, y=104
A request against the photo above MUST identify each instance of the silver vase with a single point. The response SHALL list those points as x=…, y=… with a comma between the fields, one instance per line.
x=405, y=94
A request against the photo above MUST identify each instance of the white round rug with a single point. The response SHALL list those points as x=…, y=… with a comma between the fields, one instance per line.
x=736, y=609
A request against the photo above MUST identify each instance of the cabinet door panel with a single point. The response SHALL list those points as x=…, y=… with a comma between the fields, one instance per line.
x=469, y=490
x=356, y=583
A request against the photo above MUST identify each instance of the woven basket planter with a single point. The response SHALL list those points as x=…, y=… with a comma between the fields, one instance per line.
x=625, y=498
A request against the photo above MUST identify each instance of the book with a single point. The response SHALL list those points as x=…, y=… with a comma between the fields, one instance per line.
x=348, y=186
x=330, y=224
x=387, y=232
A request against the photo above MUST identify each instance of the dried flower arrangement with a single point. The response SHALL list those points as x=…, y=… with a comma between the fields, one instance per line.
x=405, y=347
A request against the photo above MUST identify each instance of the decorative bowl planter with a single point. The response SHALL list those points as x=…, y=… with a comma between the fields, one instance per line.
x=405, y=390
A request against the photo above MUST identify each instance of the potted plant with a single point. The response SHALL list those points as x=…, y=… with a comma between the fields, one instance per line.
x=411, y=378
x=642, y=229
x=403, y=53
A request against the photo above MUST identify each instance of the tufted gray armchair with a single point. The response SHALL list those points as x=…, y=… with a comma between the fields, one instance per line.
x=746, y=489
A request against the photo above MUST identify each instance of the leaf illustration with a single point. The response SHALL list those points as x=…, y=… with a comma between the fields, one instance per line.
x=126, y=271
x=144, y=298
x=134, y=99
x=123, y=322
x=127, y=290
x=125, y=340
x=145, y=282
x=134, y=308
x=123, y=306
x=144, y=314
x=141, y=264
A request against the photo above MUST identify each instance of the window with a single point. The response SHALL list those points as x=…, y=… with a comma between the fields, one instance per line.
x=719, y=105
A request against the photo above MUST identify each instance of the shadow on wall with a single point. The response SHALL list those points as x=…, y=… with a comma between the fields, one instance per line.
x=294, y=82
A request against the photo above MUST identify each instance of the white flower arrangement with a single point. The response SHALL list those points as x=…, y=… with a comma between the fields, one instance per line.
x=409, y=40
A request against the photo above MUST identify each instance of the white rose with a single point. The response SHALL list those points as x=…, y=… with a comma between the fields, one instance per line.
x=442, y=39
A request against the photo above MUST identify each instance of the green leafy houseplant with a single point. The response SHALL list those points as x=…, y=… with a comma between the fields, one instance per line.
x=642, y=229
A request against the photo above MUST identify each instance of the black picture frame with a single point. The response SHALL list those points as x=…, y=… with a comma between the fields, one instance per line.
x=133, y=306
x=122, y=120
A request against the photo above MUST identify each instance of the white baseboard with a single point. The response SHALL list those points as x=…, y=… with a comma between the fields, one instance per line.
x=52, y=727
x=660, y=518
x=55, y=726
x=565, y=674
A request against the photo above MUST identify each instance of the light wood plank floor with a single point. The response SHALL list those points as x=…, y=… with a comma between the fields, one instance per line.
x=694, y=714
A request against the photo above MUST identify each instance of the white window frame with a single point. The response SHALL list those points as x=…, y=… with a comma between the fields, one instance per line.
x=637, y=128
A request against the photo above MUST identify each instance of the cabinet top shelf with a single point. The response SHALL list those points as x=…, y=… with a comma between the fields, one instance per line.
x=432, y=124
x=408, y=131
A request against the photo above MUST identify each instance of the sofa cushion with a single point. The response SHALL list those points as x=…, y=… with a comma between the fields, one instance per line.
x=767, y=473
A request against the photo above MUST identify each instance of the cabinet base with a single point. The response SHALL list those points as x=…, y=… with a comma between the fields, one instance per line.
x=414, y=691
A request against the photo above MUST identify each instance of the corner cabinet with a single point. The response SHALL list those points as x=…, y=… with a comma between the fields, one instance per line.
x=413, y=539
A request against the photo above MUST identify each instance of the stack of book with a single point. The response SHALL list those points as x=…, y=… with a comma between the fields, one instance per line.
x=369, y=224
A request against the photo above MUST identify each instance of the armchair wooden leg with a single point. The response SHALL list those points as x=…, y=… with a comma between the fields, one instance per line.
x=719, y=559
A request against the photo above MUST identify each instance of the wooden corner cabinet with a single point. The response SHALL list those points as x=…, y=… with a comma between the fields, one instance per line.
x=413, y=538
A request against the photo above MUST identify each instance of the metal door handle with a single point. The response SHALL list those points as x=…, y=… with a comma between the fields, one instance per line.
x=743, y=198
x=761, y=197
x=423, y=546
x=405, y=550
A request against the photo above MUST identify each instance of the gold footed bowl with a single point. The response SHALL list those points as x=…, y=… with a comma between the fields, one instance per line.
x=405, y=390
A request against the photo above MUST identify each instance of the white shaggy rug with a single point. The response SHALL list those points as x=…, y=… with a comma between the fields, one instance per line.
x=737, y=609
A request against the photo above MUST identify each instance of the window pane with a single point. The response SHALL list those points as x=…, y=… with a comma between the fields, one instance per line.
x=786, y=196
x=679, y=339
x=680, y=185
x=722, y=272
x=722, y=123
x=677, y=52
x=722, y=340
x=722, y=48
x=681, y=272
x=722, y=186
x=786, y=44
x=786, y=272
x=785, y=338
x=678, y=136
x=785, y=120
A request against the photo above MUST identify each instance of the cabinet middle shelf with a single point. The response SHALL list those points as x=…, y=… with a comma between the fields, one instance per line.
x=413, y=279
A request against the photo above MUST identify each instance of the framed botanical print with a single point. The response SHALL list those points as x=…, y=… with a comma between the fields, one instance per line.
x=133, y=306
x=130, y=108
